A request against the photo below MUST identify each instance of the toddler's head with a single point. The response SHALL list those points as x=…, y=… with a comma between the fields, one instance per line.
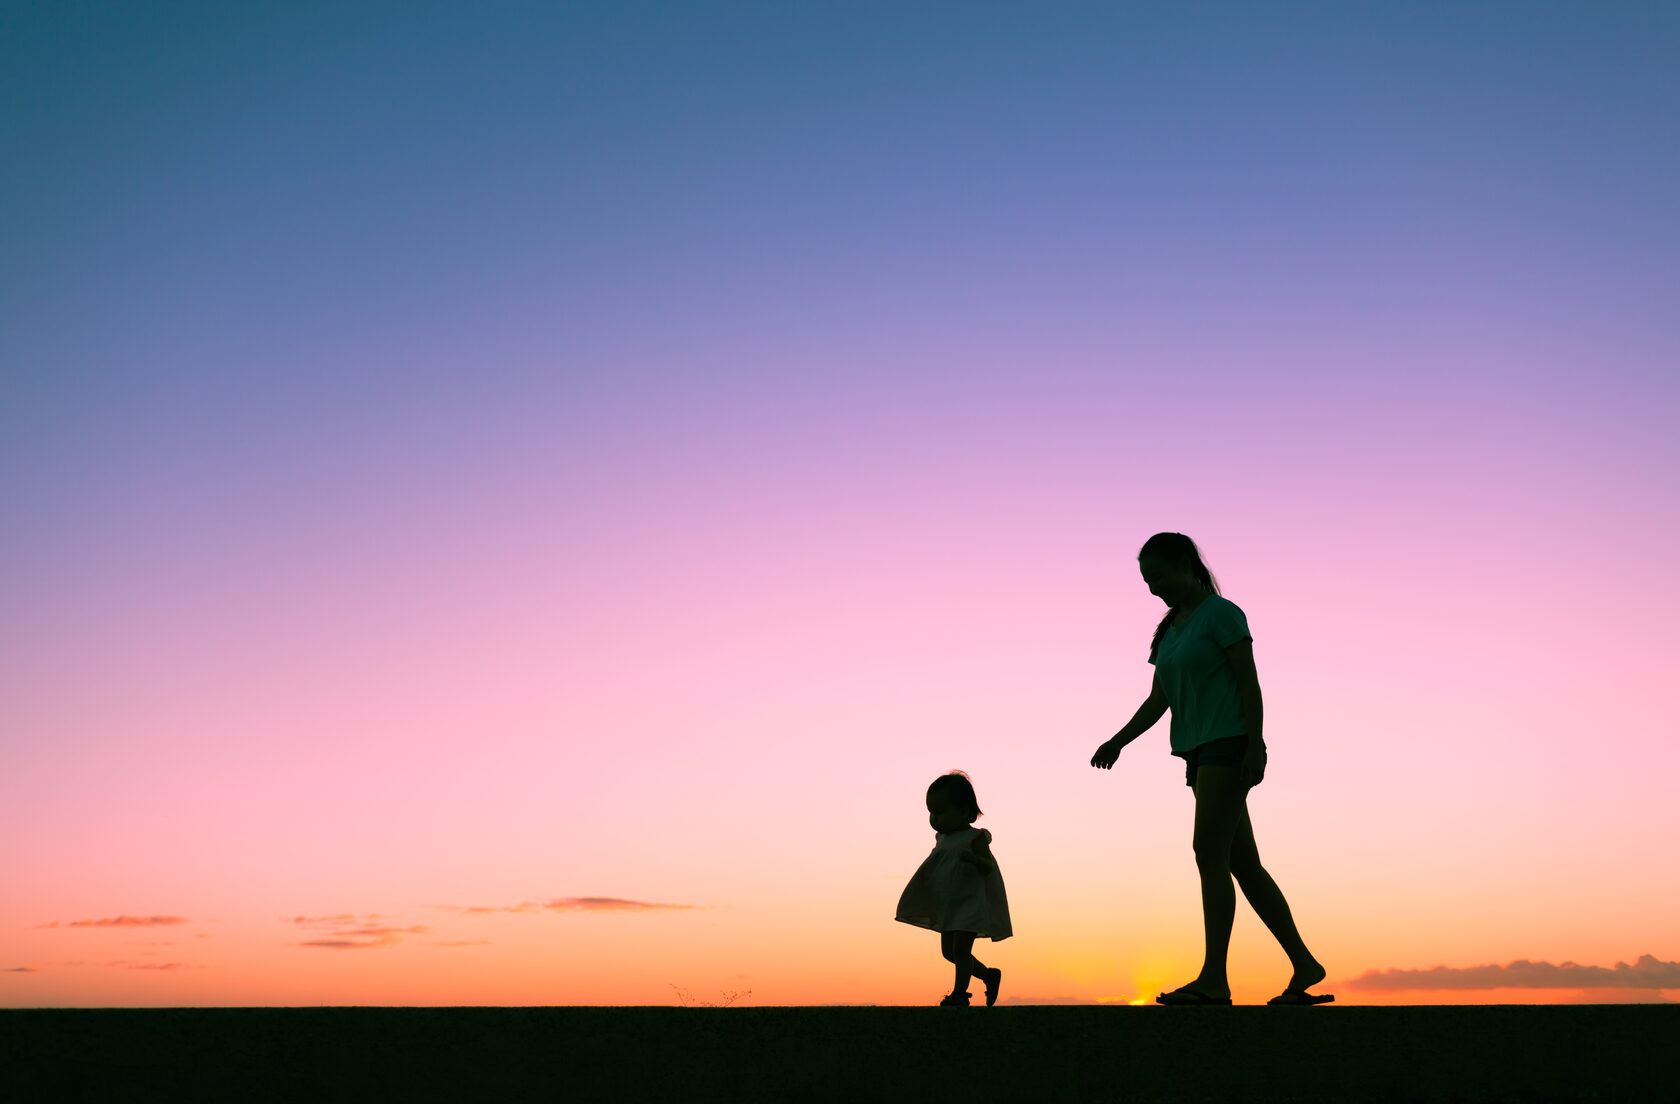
x=951, y=803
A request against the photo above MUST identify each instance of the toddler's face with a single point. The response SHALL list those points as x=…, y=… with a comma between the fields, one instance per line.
x=944, y=816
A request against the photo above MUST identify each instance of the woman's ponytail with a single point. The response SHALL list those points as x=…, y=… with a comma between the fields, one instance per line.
x=1160, y=631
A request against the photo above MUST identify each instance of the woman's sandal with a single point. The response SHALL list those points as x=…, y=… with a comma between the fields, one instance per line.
x=955, y=1000
x=1189, y=996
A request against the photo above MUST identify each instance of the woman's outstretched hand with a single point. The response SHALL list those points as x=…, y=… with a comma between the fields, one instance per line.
x=1107, y=753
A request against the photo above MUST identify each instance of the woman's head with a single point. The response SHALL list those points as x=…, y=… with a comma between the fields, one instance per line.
x=951, y=802
x=1173, y=570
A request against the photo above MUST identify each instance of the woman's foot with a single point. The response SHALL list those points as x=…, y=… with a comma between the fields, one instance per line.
x=1306, y=975
x=993, y=978
x=955, y=1000
x=1218, y=987
x=1191, y=994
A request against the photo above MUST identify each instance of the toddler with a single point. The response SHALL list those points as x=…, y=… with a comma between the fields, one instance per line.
x=958, y=890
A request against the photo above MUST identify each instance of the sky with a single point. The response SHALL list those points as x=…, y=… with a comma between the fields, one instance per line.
x=512, y=504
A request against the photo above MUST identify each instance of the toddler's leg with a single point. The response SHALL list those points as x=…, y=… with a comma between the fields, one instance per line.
x=989, y=977
x=958, y=948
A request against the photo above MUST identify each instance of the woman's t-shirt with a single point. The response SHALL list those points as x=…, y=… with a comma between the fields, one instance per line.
x=1196, y=677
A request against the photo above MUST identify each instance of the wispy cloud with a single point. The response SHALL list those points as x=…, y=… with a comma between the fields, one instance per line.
x=20, y=970
x=331, y=921
x=461, y=943
x=125, y=965
x=123, y=922
x=579, y=904
x=349, y=932
x=610, y=904
x=1646, y=973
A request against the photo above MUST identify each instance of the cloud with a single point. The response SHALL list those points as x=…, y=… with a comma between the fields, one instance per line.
x=124, y=922
x=1647, y=973
x=19, y=970
x=331, y=921
x=609, y=904
x=580, y=904
x=353, y=933
x=145, y=965
x=461, y=943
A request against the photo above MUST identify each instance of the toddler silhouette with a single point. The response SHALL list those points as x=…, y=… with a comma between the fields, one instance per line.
x=958, y=890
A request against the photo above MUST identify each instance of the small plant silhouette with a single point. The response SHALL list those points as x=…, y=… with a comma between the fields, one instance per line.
x=689, y=1000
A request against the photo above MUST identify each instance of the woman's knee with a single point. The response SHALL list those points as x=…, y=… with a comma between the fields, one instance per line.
x=1213, y=850
x=1245, y=856
x=1245, y=864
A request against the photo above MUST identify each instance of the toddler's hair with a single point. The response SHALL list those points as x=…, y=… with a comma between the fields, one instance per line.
x=956, y=786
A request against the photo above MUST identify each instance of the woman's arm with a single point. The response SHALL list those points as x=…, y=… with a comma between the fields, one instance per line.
x=1147, y=714
x=1241, y=657
x=1152, y=709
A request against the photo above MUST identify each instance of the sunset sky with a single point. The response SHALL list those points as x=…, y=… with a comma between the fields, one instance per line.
x=513, y=503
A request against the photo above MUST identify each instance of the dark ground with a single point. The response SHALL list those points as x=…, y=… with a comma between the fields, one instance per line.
x=1448, y=1053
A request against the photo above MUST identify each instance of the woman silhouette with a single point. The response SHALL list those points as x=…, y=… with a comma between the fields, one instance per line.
x=1204, y=672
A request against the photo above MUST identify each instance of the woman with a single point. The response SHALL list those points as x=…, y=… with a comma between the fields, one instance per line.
x=1204, y=672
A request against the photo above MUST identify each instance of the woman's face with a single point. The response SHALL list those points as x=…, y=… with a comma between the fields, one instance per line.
x=1171, y=583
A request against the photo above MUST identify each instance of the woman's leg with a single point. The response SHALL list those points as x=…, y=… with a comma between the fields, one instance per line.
x=1220, y=796
x=1267, y=899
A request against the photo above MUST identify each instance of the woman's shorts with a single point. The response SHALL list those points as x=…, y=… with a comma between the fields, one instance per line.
x=1228, y=752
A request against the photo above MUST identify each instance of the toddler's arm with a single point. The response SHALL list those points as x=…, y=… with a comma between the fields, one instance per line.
x=980, y=854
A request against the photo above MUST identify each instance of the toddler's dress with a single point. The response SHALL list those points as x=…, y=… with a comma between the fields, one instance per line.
x=947, y=894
